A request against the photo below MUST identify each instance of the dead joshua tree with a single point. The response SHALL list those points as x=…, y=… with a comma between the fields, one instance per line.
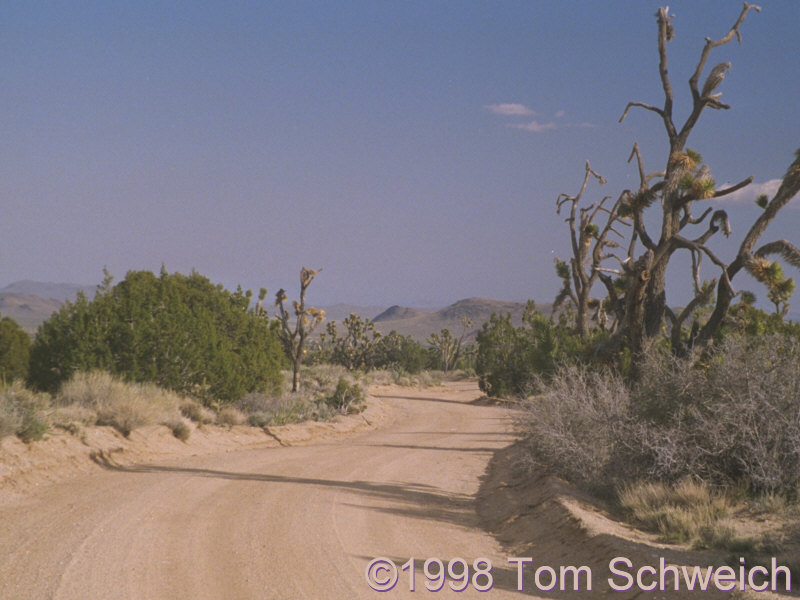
x=306, y=320
x=638, y=296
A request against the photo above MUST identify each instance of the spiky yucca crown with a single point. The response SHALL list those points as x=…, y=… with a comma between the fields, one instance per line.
x=703, y=188
x=759, y=268
x=642, y=199
x=770, y=273
x=683, y=162
x=694, y=177
x=562, y=269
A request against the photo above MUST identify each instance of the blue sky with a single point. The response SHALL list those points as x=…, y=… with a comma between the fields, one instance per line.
x=413, y=150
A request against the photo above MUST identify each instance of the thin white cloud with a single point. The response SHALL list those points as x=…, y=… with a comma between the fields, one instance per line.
x=520, y=110
x=535, y=126
x=510, y=110
x=749, y=194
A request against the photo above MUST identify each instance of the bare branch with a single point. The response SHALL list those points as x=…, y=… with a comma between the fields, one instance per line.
x=665, y=33
x=718, y=219
x=608, y=270
x=710, y=45
x=688, y=220
x=644, y=180
x=598, y=208
x=700, y=101
x=638, y=225
x=703, y=295
x=788, y=189
x=682, y=242
x=697, y=260
x=733, y=188
x=659, y=111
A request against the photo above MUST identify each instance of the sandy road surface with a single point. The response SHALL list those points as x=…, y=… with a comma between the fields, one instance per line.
x=290, y=523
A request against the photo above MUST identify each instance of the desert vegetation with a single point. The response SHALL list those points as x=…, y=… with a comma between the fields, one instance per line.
x=179, y=351
x=180, y=332
x=98, y=398
x=306, y=320
x=15, y=349
x=683, y=419
x=362, y=347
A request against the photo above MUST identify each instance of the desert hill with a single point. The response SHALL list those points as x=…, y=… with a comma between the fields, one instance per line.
x=396, y=312
x=30, y=303
x=420, y=324
x=27, y=309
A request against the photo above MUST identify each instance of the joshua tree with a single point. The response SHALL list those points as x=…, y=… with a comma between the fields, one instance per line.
x=306, y=320
x=357, y=348
x=638, y=297
x=448, y=347
x=585, y=267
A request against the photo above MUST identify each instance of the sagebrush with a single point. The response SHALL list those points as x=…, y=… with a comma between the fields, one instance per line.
x=732, y=419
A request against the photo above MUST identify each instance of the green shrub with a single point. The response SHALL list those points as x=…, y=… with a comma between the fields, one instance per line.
x=357, y=348
x=402, y=353
x=513, y=361
x=180, y=332
x=347, y=397
x=15, y=348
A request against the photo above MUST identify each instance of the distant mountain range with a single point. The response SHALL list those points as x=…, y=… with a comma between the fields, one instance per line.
x=50, y=291
x=419, y=324
x=30, y=303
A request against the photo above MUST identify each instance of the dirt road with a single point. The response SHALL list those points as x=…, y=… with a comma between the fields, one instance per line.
x=287, y=523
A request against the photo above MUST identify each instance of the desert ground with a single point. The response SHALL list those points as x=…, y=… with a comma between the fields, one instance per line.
x=299, y=511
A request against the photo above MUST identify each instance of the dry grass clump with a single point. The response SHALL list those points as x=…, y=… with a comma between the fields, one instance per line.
x=180, y=429
x=318, y=379
x=680, y=512
x=194, y=411
x=325, y=391
x=10, y=417
x=690, y=512
x=23, y=412
x=263, y=410
x=405, y=379
x=324, y=377
x=124, y=406
x=74, y=419
x=230, y=416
